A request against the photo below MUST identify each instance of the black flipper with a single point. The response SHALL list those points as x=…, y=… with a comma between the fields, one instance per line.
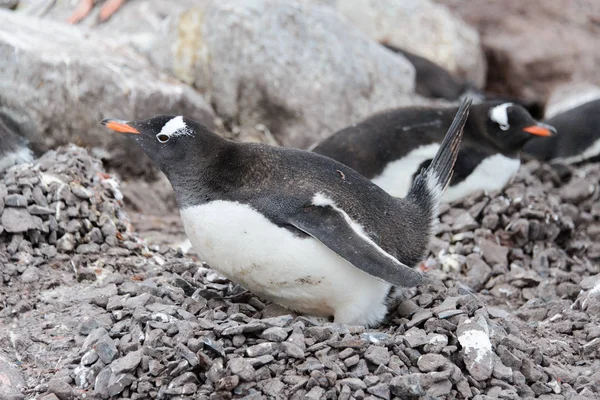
x=332, y=227
x=429, y=185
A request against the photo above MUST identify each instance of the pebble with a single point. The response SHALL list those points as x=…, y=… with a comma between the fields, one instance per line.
x=154, y=316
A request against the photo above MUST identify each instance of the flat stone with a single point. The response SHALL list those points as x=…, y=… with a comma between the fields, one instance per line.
x=415, y=337
x=377, y=355
x=17, y=220
x=61, y=388
x=11, y=379
x=477, y=348
x=261, y=349
x=127, y=363
x=493, y=253
x=353, y=383
x=292, y=350
x=274, y=334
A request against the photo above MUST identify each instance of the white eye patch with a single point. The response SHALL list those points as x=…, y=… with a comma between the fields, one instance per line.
x=499, y=115
x=175, y=127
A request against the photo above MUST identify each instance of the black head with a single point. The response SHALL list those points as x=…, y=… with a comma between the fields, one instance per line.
x=510, y=125
x=173, y=143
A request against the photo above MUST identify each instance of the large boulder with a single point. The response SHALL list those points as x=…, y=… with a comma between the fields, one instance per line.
x=297, y=68
x=58, y=82
x=570, y=95
x=534, y=45
x=135, y=23
x=422, y=27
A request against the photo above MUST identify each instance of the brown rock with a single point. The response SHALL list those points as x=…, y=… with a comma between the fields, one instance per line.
x=532, y=46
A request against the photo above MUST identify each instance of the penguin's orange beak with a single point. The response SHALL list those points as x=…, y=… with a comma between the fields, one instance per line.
x=540, y=130
x=119, y=126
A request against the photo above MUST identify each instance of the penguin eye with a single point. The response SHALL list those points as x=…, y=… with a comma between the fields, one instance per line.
x=161, y=137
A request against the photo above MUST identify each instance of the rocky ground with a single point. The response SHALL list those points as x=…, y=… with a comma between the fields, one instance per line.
x=90, y=309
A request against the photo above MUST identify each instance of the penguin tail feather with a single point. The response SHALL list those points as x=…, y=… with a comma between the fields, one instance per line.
x=428, y=187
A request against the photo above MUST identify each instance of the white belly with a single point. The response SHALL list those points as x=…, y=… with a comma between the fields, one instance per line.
x=493, y=173
x=299, y=273
x=396, y=178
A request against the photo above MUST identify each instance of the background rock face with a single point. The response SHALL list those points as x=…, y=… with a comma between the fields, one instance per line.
x=59, y=82
x=532, y=46
x=297, y=68
x=421, y=27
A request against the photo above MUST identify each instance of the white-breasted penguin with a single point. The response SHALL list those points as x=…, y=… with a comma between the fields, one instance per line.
x=577, y=139
x=13, y=148
x=295, y=227
x=391, y=147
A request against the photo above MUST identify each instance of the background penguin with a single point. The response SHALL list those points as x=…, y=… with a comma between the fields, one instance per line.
x=13, y=148
x=295, y=227
x=577, y=139
x=391, y=147
x=434, y=81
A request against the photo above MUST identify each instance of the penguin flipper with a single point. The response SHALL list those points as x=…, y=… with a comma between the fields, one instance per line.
x=333, y=227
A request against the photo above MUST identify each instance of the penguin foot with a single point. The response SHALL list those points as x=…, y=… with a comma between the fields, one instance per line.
x=369, y=315
x=84, y=8
x=109, y=8
x=81, y=11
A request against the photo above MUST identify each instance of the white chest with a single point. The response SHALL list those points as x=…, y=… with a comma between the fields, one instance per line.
x=397, y=176
x=299, y=273
x=493, y=173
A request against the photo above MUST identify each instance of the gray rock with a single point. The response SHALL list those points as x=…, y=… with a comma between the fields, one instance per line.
x=30, y=275
x=110, y=77
x=127, y=363
x=106, y=350
x=377, y=355
x=415, y=337
x=291, y=350
x=464, y=222
x=493, y=253
x=66, y=243
x=89, y=358
x=473, y=336
x=61, y=388
x=15, y=200
x=353, y=383
x=118, y=383
x=340, y=75
x=241, y=368
x=275, y=334
x=381, y=391
x=316, y=393
x=16, y=220
x=261, y=349
x=478, y=272
x=13, y=383
x=438, y=34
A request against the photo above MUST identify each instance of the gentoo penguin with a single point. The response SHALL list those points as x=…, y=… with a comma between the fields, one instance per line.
x=391, y=147
x=13, y=148
x=577, y=140
x=295, y=227
x=434, y=81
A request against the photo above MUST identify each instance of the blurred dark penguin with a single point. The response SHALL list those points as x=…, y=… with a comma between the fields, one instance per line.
x=13, y=148
x=295, y=227
x=577, y=139
x=391, y=147
x=434, y=81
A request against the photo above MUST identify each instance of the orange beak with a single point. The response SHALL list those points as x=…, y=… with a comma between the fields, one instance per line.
x=540, y=130
x=119, y=126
